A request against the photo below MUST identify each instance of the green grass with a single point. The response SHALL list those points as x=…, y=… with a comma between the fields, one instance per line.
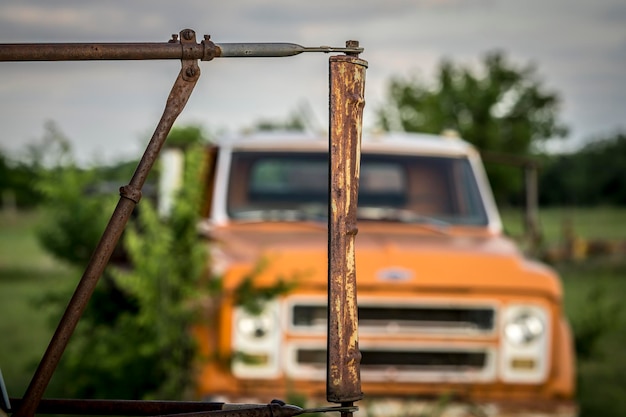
x=608, y=223
x=594, y=292
x=27, y=274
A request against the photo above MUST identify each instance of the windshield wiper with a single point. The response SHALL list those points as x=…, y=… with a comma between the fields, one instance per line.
x=319, y=213
x=402, y=216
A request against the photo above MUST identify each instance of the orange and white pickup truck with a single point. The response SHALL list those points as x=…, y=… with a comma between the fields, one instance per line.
x=452, y=317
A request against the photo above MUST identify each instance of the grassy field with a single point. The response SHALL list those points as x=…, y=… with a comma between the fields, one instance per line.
x=27, y=274
x=608, y=223
x=594, y=290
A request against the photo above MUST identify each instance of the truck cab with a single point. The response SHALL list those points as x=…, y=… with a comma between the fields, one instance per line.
x=450, y=310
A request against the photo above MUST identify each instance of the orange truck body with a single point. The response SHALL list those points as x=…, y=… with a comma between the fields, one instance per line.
x=452, y=317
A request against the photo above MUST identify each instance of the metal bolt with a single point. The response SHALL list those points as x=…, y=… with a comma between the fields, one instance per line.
x=190, y=72
x=188, y=34
x=207, y=37
x=352, y=44
x=174, y=38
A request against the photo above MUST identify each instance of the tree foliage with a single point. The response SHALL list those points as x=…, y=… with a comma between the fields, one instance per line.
x=18, y=181
x=592, y=175
x=168, y=262
x=20, y=176
x=133, y=340
x=499, y=107
x=294, y=122
x=75, y=216
x=186, y=136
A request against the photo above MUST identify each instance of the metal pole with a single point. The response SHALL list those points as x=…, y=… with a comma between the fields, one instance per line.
x=347, y=88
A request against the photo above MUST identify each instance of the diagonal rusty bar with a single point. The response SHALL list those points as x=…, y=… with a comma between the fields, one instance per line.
x=347, y=87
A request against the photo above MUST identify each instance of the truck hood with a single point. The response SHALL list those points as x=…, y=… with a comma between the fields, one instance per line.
x=390, y=255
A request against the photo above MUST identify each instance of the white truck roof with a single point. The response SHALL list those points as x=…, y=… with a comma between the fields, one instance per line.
x=387, y=142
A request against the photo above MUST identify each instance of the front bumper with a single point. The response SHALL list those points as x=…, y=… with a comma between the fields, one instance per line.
x=452, y=408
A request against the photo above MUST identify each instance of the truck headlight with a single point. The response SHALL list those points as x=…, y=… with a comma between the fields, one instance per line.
x=256, y=327
x=525, y=343
x=524, y=328
x=257, y=338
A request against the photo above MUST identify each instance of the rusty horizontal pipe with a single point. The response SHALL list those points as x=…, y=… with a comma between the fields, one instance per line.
x=205, y=51
x=247, y=410
x=142, y=408
x=100, y=51
x=117, y=407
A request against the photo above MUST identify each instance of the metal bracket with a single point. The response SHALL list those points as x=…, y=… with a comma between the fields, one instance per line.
x=191, y=70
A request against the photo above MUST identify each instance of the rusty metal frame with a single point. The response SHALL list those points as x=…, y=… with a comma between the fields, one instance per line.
x=346, y=83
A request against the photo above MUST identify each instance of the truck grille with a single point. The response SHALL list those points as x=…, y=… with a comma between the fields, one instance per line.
x=401, y=341
x=435, y=360
x=406, y=364
x=387, y=318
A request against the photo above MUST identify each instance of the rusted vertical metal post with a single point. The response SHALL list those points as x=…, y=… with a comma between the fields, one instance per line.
x=347, y=87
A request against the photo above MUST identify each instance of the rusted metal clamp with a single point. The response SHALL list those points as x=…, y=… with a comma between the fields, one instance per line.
x=190, y=70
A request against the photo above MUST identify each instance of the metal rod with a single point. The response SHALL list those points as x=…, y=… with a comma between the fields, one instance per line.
x=118, y=407
x=347, y=88
x=129, y=197
x=95, y=51
x=205, y=51
x=249, y=410
x=141, y=408
x=228, y=50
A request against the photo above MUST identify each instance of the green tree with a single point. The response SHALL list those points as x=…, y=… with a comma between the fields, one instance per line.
x=592, y=175
x=499, y=107
x=74, y=217
x=185, y=136
x=146, y=349
x=293, y=122
x=133, y=339
x=20, y=176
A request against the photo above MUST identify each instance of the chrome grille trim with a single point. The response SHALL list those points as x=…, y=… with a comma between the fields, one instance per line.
x=401, y=363
x=389, y=317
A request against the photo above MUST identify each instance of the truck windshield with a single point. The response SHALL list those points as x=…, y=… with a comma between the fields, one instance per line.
x=294, y=186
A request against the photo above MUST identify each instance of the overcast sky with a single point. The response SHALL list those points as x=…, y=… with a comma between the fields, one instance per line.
x=110, y=109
